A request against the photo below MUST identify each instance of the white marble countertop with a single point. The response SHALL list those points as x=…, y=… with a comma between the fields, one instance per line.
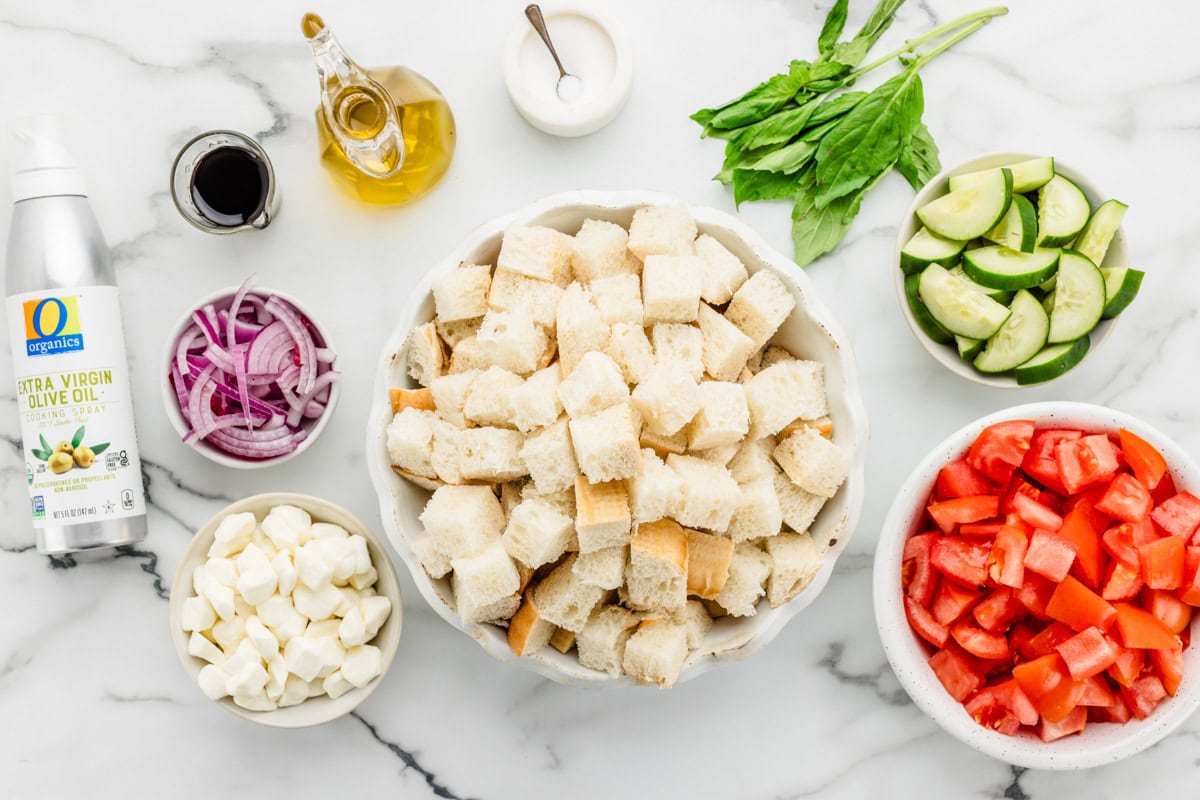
x=93, y=701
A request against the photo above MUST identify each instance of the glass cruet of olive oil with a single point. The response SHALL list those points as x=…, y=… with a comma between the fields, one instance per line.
x=386, y=134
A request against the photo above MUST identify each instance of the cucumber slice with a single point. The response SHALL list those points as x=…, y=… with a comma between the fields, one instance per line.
x=1018, y=228
x=925, y=320
x=1079, y=298
x=971, y=211
x=969, y=348
x=1048, y=301
x=958, y=308
x=1019, y=339
x=999, y=295
x=1048, y=285
x=1052, y=361
x=1063, y=210
x=1121, y=285
x=1093, y=241
x=1027, y=175
x=1004, y=268
x=926, y=248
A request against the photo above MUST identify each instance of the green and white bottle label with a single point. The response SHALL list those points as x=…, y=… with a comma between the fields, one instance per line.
x=81, y=458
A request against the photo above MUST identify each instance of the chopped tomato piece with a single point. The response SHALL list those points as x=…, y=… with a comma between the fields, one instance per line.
x=1086, y=461
x=1087, y=501
x=958, y=479
x=981, y=529
x=1089, y=558
x=1035, y=594
x=951, y=601
x=1178, y=515
x=978, y=642
x=1036, y=514
x=961, y=560
x=1048, y=685
x=1072, y=723
x=1049, y=639
x=1169, y=665
x=991, y=714
x=1118, y=542
x=1190, y=593
x=956, y=672
x=1123, y=582
x=1125, y=499
x=1019, y=637
x=999, y=449
x=1168, y=608
x=1079, y=607
x=1014, y=521
x=916, y=573
x=1146, y=462
x=1162, y=563
x=1144, y=695
x=1128, y=666
x=1039, y=462
x=1117, y=712
x=998, y=610
x=1049, y=555
x=948, y=513
x=1087, y=653
x=1006, y=562
x=924, y=624
x=1165, y=489
x=1097, y=694
x=1141, y=629
x=1019, y=486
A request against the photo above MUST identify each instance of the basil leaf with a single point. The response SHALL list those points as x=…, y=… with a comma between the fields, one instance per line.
x=816, y=231
x=758, y=103
x=761, y=185
x=869, y=138
x=835, y=21
x=851, y=53
x=787, y=159
x=779, y=127
x=918, y=161
x=836, y=107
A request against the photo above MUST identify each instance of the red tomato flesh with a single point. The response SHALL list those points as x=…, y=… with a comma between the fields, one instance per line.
x=1144, y=695
x=1036, y=514
x=952, y=601
x=1178, y=515
x=1087, y=653
x=999, y=449
x=1085, y=462
x=956, y=672
x=1125, y=499
x=1141, y=629
x=961, y=560
x=1162, y=563
x=958, y=479
x=1169, y=665
x=1049, y=555
x=1006, y=562
x=1147, y=463
x=949, y=513
x=1079, y=607
x=916, y=573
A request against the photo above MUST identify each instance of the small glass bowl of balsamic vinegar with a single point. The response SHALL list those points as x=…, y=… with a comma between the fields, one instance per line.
x=223, y=182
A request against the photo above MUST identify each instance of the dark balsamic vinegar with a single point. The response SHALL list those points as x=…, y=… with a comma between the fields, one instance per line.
x=229, y=186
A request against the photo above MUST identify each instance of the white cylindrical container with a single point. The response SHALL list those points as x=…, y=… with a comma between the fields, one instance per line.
x=72, y=375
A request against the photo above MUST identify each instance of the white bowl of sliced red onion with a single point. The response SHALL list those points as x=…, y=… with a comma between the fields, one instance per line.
x=250, y=379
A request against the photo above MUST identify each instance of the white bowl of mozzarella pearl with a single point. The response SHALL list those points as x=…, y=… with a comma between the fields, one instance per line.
x=617, y=439
x=285, y=610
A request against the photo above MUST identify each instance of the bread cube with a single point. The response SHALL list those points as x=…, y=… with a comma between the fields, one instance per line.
x=783, y=392
x=758, y=513
x=550, y=458
x=462, y=293
x=670, y=289
x=497, y=612
x=537, y=533
x=604, y=567
x=812, y=462
x=678, y=346
x=723, y=418
x=760, y=306
x=664, y=444
x=599, y=250
x=450, y=394
x=773, y=354
x=426, y=356
x=562, y=640
x=511, y=339
x=491, y=454
x=581, y=329
x=795, y=561
x=528, y=630
x=484, y=579
x=799, y=507
x=511, y=291
x=536, y=403
x=606, y=444
x=564, y=599
x=748, y=571
x=410, y=441
x=656, y=652
x=446, y=458
x=595, y=384
x=602, y=514
x=723, y=348
x=655, y=491
x=696, y=620
x=618, y=298
x=722, y=454
x=562, y=499
x=490, y=397
x=630, y=349
x=468, y=355
x=722, y=272
x=536, y=252
x=708, y=563
x=710, y=494
x=454, y=332
x=463, y=520
x=656, y=578
x=436, y=563
x=421, y=399
x=667, y=399
x=662, y=230
x=602, y=641
x=753, y=460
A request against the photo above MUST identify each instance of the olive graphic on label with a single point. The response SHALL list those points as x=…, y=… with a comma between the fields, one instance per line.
x=64, y=447
x=84, y=457
x=60, y=463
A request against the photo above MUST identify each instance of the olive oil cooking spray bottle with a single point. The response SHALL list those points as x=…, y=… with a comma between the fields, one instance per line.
x=64, y=324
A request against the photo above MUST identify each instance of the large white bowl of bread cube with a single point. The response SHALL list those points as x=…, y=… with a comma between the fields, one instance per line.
x=617, y=439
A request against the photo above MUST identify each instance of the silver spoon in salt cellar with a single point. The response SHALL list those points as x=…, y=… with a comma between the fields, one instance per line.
x=569, y=86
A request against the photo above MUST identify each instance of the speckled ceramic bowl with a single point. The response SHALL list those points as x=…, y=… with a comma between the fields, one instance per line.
x=811, y=331
x=1098, y=744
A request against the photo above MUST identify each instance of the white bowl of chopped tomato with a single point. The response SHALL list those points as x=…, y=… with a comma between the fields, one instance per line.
x=1035, y=583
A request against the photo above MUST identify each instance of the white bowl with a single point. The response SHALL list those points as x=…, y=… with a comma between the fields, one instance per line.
x=315, y=710
x=811, y=331
x=312, y=427
x=1098, y=744
x=946, y=354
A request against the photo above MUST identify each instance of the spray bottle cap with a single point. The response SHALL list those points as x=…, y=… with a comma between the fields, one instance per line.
x=42, y=165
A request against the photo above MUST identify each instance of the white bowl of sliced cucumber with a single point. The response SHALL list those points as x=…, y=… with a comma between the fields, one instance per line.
x=1012, y=267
